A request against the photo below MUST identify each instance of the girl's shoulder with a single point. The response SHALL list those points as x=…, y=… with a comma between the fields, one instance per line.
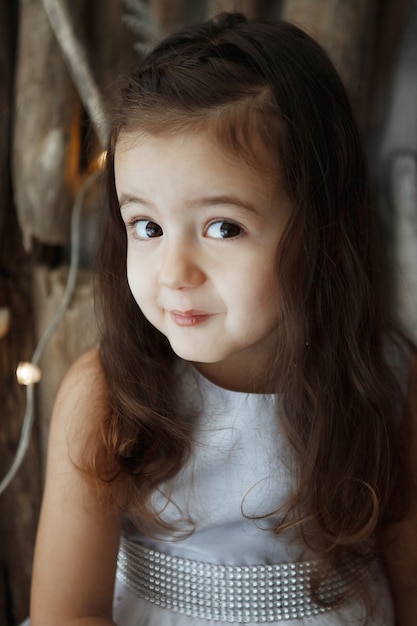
x=86, y=371
x=81, y=402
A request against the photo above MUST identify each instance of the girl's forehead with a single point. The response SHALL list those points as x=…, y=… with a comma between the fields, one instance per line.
x=190, y=147
x=246, y=148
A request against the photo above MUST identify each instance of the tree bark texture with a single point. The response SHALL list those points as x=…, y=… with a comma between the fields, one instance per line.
x=394, y=154
x=46, y=141
x=346, y=29
x=251, y=8
x=5, y=103
x=169, y=14
x=109, y=43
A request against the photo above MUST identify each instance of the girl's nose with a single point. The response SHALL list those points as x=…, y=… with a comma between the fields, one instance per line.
x=180, y=268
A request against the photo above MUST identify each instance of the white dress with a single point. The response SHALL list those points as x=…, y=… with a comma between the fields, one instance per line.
x=240, y=468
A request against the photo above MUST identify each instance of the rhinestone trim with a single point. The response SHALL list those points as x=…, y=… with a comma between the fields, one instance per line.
x=253, y=593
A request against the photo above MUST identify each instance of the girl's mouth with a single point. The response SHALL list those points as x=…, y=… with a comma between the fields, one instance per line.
x=189, y=318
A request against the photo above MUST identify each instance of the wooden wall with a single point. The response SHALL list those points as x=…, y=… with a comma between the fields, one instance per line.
x=48, y=146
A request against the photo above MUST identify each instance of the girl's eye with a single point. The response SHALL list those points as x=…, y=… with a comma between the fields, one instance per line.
x=224, y=230
x=145, y=229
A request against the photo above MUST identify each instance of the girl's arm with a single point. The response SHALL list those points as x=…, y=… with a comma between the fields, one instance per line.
x=400, y=551
x=78, y=535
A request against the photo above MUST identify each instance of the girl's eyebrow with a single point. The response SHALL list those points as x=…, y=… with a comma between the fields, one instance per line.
x=126, y=199
x=230, y=199
x=196, y=203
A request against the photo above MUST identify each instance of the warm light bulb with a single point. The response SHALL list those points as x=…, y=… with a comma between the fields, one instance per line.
x=28, y=373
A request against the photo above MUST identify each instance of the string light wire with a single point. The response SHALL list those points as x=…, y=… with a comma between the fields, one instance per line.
x=28, y=419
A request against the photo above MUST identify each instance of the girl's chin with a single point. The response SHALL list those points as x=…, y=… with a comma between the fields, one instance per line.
x=195, y=354
x=193, y=357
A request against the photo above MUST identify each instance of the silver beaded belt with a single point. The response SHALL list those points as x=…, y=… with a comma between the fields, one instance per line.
x=228, y=593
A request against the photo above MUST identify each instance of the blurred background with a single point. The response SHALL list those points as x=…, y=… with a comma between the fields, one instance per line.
x=59, y=64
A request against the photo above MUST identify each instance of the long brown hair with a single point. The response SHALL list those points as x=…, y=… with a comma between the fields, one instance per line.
x=269, y=79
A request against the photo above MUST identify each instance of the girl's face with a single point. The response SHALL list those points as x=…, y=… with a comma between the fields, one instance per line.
x=203, y=229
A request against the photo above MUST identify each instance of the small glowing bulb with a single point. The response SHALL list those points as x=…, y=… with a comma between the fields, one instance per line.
x=28, y=373
x=101, y=159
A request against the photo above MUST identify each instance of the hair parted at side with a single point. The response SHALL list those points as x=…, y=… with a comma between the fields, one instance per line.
x=252, y=82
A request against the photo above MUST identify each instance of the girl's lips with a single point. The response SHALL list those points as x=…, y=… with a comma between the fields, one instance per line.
x=189, y=318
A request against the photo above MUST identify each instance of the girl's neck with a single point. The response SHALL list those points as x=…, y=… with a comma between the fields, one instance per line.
x=238, y=378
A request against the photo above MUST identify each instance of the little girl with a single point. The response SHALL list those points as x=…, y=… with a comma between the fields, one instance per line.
x=232, y=452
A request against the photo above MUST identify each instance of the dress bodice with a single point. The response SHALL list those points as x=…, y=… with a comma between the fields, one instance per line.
x=238, y=470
